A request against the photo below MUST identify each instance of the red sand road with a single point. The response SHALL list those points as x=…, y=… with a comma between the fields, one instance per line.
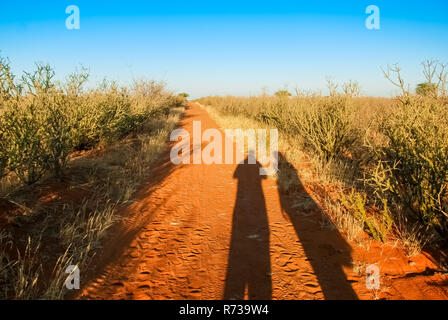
x=223, y=232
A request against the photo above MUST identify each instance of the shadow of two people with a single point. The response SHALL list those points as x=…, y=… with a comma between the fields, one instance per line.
x=249, y=264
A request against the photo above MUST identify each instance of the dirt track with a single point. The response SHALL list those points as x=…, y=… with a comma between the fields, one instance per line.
x=220, y=231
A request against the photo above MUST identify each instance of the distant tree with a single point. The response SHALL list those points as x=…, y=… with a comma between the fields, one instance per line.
x=426, y=89
x=282, y=94
x=183, y=94
x=436, y=78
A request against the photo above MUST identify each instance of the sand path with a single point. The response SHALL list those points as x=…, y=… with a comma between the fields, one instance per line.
x=221, y=231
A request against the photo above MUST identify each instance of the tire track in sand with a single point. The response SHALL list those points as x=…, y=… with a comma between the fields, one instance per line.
x=180, y=231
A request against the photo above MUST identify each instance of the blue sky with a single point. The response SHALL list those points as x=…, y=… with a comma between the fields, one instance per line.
x=228, y=47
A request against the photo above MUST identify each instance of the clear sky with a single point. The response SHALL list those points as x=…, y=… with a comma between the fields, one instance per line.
x=228, y=47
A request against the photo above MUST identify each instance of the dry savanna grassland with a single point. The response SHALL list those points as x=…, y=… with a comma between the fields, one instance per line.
x=382, y=162
x=73, y=158
x=70, y=158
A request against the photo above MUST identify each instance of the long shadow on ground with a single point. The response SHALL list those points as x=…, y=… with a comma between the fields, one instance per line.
x=249, y=261
x=325, y=248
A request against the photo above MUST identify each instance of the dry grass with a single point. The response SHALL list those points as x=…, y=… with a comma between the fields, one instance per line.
x=66, y=232
x=99, y=145
x=310, y=170
x=366, y=149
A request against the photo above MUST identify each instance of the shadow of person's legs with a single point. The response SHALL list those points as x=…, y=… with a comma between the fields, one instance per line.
x=326, y=250
x=249, y=263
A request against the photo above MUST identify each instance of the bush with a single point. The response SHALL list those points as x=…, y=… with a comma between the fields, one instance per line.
x=413, y=163
x=378, y=226
x=183, y=95
x=22, y=142
x=3, y=157
x=58, y=131
x=326, y=127
x=325, y=124
x=427, y=89
x=42, y=122
x=397, y=149
x=112, y=107
x=276, y=113
x=8, y=88
x=85, y=123
x=282, y=94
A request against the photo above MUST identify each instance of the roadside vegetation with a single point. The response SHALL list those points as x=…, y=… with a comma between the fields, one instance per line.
x=384, y=162
x=70, y=158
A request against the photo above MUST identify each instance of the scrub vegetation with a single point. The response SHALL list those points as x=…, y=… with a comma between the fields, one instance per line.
x=387, y=157
x=70, y=157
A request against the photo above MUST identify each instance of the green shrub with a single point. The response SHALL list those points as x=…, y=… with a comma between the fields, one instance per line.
x=113, y=107
x=276, y=113
x=282, y=94
x=326, y=127
x=58, y=131
x=22, y=141
x=42, y=122
x=379, y=225
x=427, y=89
x=8, y=87
x=413, y=163
x=3, y=156
x=182, y=97
x=324, y=123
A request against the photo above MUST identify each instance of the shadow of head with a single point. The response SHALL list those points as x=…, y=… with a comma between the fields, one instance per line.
x=249, y=266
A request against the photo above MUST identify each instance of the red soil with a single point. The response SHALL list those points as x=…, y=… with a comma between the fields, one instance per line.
x=222, y=232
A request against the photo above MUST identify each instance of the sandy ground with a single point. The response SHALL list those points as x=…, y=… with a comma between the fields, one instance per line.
x=223, y=232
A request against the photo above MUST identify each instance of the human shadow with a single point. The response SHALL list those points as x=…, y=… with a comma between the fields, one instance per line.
x=249, y=263
x=325, y=248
